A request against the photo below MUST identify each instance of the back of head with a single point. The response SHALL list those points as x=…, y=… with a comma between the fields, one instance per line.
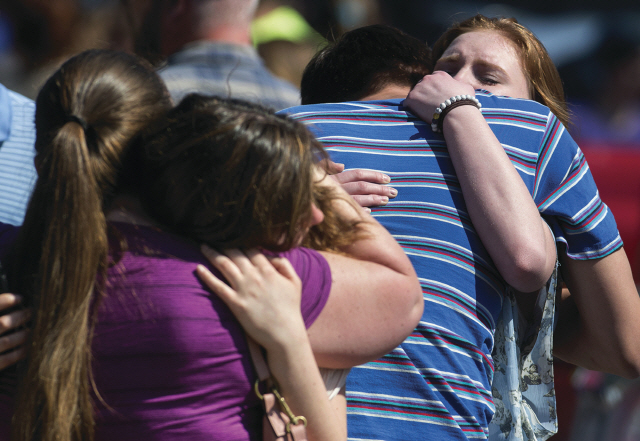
x=230, y=173
x=87, y=113
x=536, y=63
x=362, y=62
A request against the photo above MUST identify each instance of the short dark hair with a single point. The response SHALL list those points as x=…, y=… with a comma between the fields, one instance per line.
x=362, y=62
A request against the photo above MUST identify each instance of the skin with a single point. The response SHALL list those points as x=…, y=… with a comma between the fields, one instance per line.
x=263, y=292
x=598, y=326
x=486, y=60
x=12, y=341
x=498, y=202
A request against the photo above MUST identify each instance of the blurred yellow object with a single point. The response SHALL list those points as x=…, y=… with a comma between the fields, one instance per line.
x=283, y=23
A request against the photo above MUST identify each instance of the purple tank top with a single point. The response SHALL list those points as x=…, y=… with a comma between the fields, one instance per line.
x=170, y=360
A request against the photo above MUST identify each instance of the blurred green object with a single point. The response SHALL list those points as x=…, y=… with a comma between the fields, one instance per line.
x=283, y=23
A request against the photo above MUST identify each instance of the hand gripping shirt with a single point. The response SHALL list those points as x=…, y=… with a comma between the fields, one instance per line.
x=437, y=383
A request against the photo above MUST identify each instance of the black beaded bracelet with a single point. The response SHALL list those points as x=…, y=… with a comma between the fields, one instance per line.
x=450, y=104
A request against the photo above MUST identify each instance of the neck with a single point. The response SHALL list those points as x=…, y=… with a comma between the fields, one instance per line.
x=392, y=91
x=228, y=34
x=127, y=209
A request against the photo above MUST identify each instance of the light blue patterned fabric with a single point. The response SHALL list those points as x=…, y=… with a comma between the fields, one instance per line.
x=17, y=171
x=228, y=71
x=523, y=388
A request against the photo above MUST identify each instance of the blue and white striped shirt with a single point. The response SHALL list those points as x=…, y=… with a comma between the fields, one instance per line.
x=17, y=171
x=437, y=383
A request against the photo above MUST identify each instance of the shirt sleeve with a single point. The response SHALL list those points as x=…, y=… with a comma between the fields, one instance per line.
x=315, y=274
x=568, y=199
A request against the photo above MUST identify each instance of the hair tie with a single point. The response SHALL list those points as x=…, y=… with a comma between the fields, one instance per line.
x=77, y=119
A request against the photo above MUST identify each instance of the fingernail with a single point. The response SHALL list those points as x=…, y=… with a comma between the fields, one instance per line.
x=386, y=179
x=385, y=200
x=367, y=209
x=393, y=192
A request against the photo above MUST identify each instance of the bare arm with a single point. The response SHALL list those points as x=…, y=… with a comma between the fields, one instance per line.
x=598, y=324
x=375, y=299
x=499, y=203
x=265, y=297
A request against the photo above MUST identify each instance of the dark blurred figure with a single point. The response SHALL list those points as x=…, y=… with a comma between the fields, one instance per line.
x=208, y=49
x=45, y=33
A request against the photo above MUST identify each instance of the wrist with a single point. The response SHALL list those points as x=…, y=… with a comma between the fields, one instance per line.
x=449, y=105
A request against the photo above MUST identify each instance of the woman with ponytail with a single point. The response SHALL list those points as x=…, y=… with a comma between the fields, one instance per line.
x=87, y=113
x=126, y=343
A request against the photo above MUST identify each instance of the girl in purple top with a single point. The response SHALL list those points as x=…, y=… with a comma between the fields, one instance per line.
x=125, y=342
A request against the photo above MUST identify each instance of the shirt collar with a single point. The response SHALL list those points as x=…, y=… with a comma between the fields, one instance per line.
x=5, y=114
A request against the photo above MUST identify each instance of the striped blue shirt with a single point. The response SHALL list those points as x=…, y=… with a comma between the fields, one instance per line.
x=437, y=384
x=17, y=138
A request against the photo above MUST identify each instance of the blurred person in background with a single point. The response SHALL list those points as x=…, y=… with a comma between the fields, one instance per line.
x=208, y=49
x=284, y=39
x=44, y=33
x=17, y=139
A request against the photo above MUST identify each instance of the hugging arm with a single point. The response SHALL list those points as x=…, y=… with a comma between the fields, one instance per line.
x=265, y=298
x=499, y=203
x=375, y=300
x=598, y=323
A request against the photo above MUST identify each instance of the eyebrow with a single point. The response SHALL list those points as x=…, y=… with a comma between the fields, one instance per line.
x=456, y=56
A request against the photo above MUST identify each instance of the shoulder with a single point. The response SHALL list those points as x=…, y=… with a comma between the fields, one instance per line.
x=350, y=107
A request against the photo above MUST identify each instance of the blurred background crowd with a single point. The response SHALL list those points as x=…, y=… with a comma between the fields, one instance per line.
x=595, y=45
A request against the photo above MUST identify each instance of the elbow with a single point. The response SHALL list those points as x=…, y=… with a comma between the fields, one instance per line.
x=411, y=312
x=529, y=271
x=629, y=364
x=417, y=305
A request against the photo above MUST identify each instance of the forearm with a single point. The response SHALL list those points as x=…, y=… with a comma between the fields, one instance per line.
x=376, y=245
x=598, y=326
x=498, y=202
x=375, y=299
x=294, y=367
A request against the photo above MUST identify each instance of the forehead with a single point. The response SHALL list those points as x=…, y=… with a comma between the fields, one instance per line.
x=487, y=47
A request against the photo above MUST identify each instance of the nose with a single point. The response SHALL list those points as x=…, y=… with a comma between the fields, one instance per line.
x=465, y=75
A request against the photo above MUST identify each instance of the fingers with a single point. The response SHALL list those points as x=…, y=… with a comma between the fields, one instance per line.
x=14, y=320
x=12, y=357
x=331, y=167
x=367, y=188
x=13, y=340
x=8, y=300
x=367, y=201
x=224, y=264
x=356, y=175
x=284, y=267
x=224, y=291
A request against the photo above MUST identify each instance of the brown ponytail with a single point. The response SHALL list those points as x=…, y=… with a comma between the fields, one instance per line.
x=86, y=116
